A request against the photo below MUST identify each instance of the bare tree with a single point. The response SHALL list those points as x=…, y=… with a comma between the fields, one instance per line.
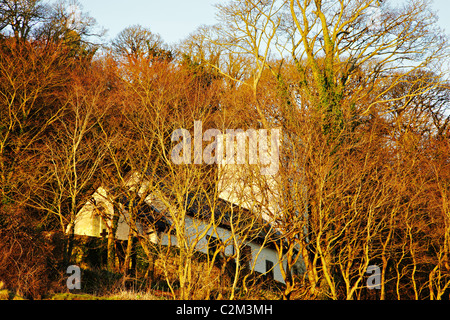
x=21, y=16
x=67, y=23
x=139, y=42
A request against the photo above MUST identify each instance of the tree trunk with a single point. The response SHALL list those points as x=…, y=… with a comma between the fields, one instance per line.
x=69, y=244
x=111, y=247
x=127, y=266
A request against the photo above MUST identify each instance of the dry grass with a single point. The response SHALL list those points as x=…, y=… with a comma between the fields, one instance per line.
x=132, y=295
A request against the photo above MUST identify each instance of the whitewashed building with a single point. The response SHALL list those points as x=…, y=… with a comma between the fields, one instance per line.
x=204, y=228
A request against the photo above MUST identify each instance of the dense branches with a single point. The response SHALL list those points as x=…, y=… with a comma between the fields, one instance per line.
x=355, y=87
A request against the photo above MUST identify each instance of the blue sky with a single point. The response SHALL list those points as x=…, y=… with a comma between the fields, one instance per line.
x=172, y=19
x=443, y=9
x=175, y=19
